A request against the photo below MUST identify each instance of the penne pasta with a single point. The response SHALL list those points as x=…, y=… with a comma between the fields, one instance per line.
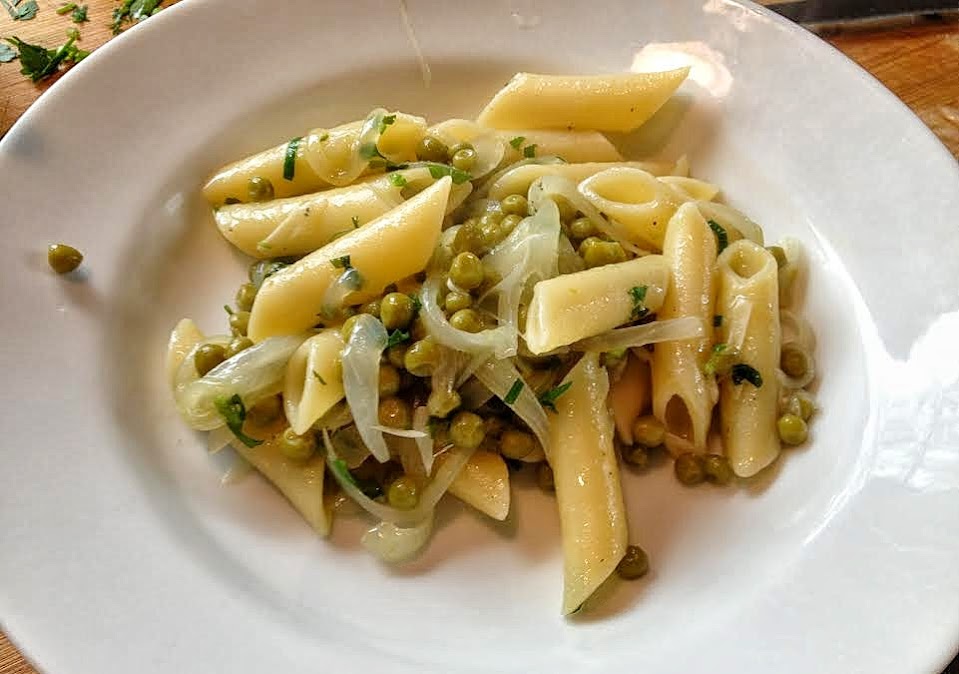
x=394, y=246
x=630, y=396
x=683, y=397
x=616, y=102
x=571, y=307
x=484, y=484
x=320, y=159
x=185, y=336
x=314, y=380
x=517, y=180
x=592, y=514
x=748, y=277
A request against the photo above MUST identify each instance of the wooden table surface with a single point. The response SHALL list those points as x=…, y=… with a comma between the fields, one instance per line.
x=919, y=63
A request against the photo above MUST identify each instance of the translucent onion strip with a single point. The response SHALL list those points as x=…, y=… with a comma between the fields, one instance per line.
x=361, y=377
x=489, y=147
x=672, y=330
x=395, y=544
x=501, y=377
x=501, y=340
x=399, y=432
x=424, y=443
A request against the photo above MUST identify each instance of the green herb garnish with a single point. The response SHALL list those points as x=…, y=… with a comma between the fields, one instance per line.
x=356, y=221
x=529, y=151
x=38, y=62
x=69, y=7
x=319, y=378
x=638, y=295
x=385, y=122
x=20, y=10
x=397, y=180
x=341, y=262
x=417, y=304
x=130, y=11
x=717, y=320
x=79, y=14
x=513, y=392
x=548, y=399
x=459, y=177
x=325, y=137
x=234, y=413
x=517, y=142
x=289, y=160
x=7, y=53
x=397, y=337
x=228, y=309
x=369, y=151
x=742, y=372
x=719, y=360
x=722, y=239
x=342, y=472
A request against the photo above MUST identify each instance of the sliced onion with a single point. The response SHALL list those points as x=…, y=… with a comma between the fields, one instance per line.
x=808, y=375
x=399, y=432
x=394, y=544
x=349, y=446
x=795, y=328
x=361, y=380
x=729, y=217
x=490, y=148
x=671, y=330
x=483, y=190
x=474, y=394
x=424, y=443
x=444, y=476
x=736, y=322
x=335, y=418
x=499, y=376
x=252, y=374
x=500, y=341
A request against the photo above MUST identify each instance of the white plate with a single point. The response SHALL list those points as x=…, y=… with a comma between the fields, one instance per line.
x=120, y=552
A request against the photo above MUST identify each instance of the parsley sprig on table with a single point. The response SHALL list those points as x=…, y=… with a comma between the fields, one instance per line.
x=132, y=11
x=38, y=62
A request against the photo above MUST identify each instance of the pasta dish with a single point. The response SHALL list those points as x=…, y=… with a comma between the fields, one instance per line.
x=430, y=308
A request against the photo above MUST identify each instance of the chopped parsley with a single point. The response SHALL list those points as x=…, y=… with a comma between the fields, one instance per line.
x=369, y=151
x=513, y=392
x=39, y=63
x=717, y=320
x=7, y=53
x=722, y=239
x=228, y=309
x=397, y=337
x=548, y=399
x=325, y=137
x=79, y=14
x=356, y=221
x=459, y=177
x=20, y=10
x=397, y=180
x=417, y=304
x=234, y=414
x=319, y=378
x=132, y=11
x=529, y=151
x=638, y=295
x=342, y=471
x=289, y=160
x=742, y=372
x=720, y=360
x=385, y=122
x=341, y=262
x=64, y=9
x=517, y=142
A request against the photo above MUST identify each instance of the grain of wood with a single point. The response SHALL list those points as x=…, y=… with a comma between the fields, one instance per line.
x=920, y=64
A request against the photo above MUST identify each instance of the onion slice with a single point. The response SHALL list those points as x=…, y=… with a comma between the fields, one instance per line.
x=501, y=377
x=671, y=330
x=361, y=379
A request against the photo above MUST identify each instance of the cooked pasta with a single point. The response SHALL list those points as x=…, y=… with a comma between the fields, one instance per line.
x=431, y=307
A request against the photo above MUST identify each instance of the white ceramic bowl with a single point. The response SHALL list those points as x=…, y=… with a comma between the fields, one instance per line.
x=120, y=552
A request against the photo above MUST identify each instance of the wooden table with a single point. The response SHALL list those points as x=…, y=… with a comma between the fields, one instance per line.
x=919, y=63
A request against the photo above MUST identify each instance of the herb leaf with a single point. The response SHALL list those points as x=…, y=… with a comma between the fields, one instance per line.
x=529, y=151
x=339, y=467
x=289, y=160
x=130, y=11
x=79, y=14
x=397, y=337
x=7, y=53
x=517, y=142
x=513, y=392
x=548, y=399
x=459, y=177
x=417, y=303
x=722, y=239
x=64, y=9
x=742, y=372
x=717, y=320
x=341, y=262
x=397, y=180
x=719, y=360
x=233, y=412
x=38, y=62
x=638, y=295
x=369, y=151
x=385, y=122
x=356, y=221
x=319, y=378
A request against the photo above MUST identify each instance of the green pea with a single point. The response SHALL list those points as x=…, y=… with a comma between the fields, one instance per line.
x=208, y=357
x=717, y=469
x=468, y=238
x=259, y=189
x=372, y=308
x=509, y=224
x=347, y=328
x=491, y=217
x=395, y=412
x=544, y=477
x=265, y=411
x=636, y=456
x=62, y=258
x=467, y=271
x=799, y=403
x=396, y=311
x=649, y=431
x=689, y=469
x=441, y=403
x=463, y=159
x=467, y=430
x=421, y=357
x=515, y=204
x=794, y=361
x=432, y=149
x=403, y=493
x=239, y=322
x=634, y=564
x=582, y=228
x=238, y=344
x=395, y=355
x=459, y=147
x=297, y=447
x=516, y=444
x=780, y=255
x=493, y=233
x=455, y=301
x=596, y=252
x=792, y=429
x=263, y=269
x=467, y=320
x=245, y=296
x=389, y=380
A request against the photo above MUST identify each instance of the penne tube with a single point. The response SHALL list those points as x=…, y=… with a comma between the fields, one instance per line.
x=484, y=484
x=314, y=380
x=185, y=336
x=630, y=396
x=748, y=277
x=517, y=180
x=394, y=246
x=683, y=396
x=589, y=496
x=616, y=102
x=568, y=308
